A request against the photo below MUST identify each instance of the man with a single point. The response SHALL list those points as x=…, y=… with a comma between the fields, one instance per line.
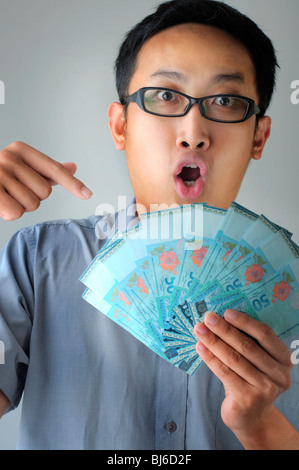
x=87, y=383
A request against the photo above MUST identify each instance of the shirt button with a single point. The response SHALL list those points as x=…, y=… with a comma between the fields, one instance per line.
x=171, y=426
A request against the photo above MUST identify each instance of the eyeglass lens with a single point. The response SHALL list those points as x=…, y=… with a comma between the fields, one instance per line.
x=170, y=103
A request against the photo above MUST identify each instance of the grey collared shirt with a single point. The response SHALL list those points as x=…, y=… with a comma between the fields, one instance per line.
x=87, y=383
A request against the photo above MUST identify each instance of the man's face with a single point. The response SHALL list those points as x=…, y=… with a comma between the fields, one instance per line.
x=199, y=61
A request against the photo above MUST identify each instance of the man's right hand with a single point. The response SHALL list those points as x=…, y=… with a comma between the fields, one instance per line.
x=27, y=177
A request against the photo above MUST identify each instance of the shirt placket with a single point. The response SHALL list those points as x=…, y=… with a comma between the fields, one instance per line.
x=171, y=402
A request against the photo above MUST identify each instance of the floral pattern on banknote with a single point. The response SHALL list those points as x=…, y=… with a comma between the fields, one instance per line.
x=283, y=289
x=169, y=261
x=198, y=256
x=141, y=285
x=254, y=273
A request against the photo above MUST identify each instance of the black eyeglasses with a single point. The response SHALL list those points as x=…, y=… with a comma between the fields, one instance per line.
x=171, y=103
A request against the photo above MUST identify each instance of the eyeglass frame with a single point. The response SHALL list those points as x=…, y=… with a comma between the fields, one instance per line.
x=138, y=98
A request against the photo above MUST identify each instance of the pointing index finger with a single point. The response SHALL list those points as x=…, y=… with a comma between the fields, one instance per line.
x=52, y=170
x=58, y=174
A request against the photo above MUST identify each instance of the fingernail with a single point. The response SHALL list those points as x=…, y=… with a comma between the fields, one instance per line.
x=211, y=318
x=201, y=329
x=86, y=193
x=230, y=314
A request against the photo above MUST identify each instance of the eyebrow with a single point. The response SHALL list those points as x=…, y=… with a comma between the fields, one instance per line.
x=171, y=74
x=216, y=80
x=228, y=77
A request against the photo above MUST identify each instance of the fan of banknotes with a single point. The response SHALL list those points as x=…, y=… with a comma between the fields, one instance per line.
x=159, y=278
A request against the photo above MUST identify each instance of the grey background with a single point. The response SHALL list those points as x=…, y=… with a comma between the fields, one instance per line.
x=56, y=60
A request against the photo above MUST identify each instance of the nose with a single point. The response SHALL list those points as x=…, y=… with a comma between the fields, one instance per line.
x=193, y=130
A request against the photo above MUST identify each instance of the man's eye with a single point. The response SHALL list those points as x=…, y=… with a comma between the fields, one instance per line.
x=167, y=96
x=225, y=101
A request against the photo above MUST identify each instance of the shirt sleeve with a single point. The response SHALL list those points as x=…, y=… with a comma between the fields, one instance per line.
x=16, y=313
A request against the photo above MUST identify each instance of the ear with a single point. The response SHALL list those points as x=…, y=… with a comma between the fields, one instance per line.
x=117, y=124
x=262, y=134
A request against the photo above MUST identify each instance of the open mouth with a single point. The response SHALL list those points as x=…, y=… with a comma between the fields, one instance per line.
x=189, y=175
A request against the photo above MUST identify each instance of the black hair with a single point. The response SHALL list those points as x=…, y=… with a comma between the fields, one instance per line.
x=208, y=12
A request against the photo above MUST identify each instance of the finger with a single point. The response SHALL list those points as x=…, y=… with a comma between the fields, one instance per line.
x=243, y=354
x=23, y=196
x=70, y=167
x=51, y=169
x=10, y=209
x=246, y=341
x=262, y=333
x=226, y=358
x=242, y=343
x=30, y=179
x=225, y=374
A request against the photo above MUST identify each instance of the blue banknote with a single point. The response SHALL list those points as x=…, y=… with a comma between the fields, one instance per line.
x=158, y=279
